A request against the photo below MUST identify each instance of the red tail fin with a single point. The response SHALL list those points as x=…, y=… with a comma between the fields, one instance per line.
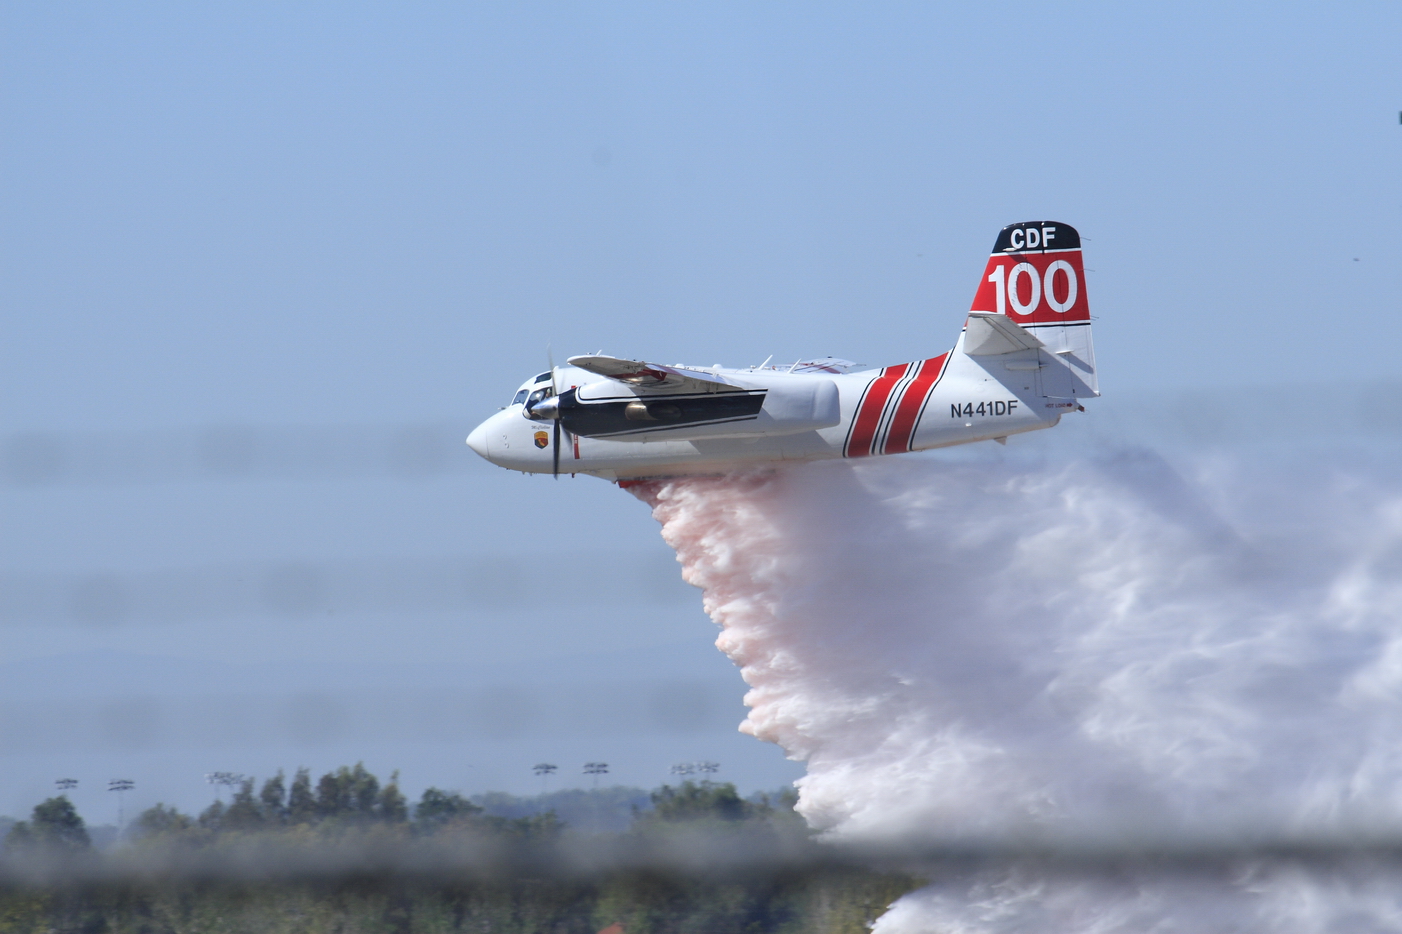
x=1035, y=275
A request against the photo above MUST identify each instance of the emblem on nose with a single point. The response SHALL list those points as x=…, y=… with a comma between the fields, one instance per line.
x=542, y=439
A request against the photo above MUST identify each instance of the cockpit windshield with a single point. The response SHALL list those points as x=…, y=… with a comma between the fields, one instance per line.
x=531, y=398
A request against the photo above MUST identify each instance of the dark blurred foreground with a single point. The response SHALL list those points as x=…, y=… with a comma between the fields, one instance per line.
x=349, y=854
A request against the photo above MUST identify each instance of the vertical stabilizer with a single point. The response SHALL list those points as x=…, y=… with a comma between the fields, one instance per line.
x=1036, y=279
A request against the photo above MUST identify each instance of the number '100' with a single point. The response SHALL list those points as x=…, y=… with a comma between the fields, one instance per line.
x=1041, y=285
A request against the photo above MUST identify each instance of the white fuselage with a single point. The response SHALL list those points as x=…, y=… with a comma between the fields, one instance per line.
x=953, y=399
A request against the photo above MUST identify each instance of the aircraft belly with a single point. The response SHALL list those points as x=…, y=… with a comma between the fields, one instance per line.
x=519, y=443
x=655, y=458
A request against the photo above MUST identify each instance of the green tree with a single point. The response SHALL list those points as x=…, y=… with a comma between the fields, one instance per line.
x=545, y=826
x=392, y=806
x=301, y=803
x=212, y=817
x=19, y=836
x=699, y=801
x=54, y=824
x=777, y=808
x=273, y=799
x=347, y=793
x=439, y=809
x=161, y=820
x=244, y=812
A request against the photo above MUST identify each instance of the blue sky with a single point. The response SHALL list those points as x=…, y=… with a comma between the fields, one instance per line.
x=358, y=214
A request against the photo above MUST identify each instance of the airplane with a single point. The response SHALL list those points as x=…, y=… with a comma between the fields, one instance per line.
x=1023, y=359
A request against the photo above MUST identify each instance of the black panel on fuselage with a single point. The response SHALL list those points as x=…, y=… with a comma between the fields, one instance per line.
x=609, y=417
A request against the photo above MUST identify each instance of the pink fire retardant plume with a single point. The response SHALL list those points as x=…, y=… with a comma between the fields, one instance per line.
x=1104, y=654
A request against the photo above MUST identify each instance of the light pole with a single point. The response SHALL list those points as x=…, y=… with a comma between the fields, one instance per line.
x=65, y=785
x=221, y=780
x=121, y=786
x=683, y=769
x=709, y=768
x=544, y=770
x=596, y=769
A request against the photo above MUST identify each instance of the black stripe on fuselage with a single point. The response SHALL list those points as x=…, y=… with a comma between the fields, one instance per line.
x=606, y=417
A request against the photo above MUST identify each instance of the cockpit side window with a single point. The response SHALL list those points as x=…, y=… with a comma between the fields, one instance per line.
x=536, y=396
x=520, y=396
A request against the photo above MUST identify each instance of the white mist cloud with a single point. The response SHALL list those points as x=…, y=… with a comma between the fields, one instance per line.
x=1098, y=653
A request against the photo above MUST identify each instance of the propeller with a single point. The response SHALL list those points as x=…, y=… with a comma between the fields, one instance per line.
x=549, y=407
x=554, y=394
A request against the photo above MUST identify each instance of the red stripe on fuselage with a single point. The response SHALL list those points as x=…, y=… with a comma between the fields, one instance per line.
x=911, y=402
x=868, y=417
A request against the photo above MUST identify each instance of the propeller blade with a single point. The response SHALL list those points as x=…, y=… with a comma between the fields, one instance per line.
x=554, y=394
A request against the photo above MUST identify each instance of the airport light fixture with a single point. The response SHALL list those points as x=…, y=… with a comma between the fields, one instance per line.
x=596, y=769
x=683, y=768
x=65, y=785
x=121, y=786
x=544, y=770
x=222, y=780
x=709, y=768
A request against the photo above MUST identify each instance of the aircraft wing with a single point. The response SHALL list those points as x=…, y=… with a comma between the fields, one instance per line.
x=825, y=365
x=650, y=375
x=989, y=334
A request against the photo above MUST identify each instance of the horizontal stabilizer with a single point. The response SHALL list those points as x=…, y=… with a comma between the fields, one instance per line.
x=650, y=375
x=988, y=334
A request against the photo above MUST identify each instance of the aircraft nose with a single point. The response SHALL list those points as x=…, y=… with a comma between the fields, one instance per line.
x=478, y=440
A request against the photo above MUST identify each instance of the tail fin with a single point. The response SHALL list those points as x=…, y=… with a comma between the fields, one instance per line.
x=1035, y=278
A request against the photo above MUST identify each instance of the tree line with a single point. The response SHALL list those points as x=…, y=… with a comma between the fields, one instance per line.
x=686, y=865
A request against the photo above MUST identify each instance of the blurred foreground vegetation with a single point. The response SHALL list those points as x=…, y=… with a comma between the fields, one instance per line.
x=351, y=854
